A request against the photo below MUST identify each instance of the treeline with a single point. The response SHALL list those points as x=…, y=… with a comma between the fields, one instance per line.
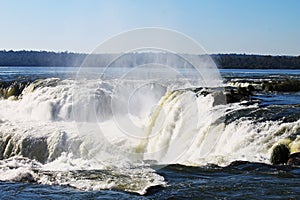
x=243, y=61
x=40, y=58
x=67, y=59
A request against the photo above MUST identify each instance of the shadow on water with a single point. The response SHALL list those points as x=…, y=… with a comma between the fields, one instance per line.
x=239, y=180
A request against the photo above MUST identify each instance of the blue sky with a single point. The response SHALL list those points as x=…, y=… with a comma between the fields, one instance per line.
x=220, y=26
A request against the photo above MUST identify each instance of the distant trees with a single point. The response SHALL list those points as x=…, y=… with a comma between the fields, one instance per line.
x=39, y=58
x=242, y=61
x=67, y=59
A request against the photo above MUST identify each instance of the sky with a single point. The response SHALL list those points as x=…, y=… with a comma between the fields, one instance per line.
x=269, y=27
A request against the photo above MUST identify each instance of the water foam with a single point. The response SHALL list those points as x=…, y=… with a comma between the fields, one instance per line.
x=183, y=127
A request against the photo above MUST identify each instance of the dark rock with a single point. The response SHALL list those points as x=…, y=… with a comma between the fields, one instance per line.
x=288, y=85
x=238, y=163
x=241, y=94
x=153, y=189
x=12, y=91
x=294, y=159
x=4, y=141
x=229, y=95
x=242, y=90
x=8, y=89
x=280, y=154
x=250, y=88
x=196, y=90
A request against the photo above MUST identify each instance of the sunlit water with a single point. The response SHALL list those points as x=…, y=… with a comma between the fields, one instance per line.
x=247, y=133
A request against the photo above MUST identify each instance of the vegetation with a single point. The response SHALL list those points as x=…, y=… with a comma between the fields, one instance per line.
x=242, y=61
x=66, y=59
x=40, y=58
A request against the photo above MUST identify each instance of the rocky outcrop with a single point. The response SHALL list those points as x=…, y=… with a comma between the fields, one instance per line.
x=41, y=148
x=227, y=95
x=281, y=155
x=12, y=89
x=239, y=94
x=294, y=159
x=288, y=85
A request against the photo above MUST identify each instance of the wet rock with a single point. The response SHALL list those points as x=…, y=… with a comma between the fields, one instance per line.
x=288, y=85
x=251, y=88
x=238, y=163
x=153, y=189
x=238, y=95
x=229, y=95
x=280, y=154
x=294, y=159
x=3, y=144
x=12, y=89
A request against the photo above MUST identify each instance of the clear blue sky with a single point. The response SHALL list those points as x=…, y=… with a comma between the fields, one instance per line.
x=220, y=26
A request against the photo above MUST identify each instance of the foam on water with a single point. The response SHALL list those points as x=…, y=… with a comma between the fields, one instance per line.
x=42, y=139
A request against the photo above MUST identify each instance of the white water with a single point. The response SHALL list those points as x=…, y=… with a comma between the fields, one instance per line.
x=84, y=127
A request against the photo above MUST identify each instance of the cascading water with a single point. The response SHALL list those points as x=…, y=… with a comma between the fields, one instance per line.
x=183, y=126
x=105, y=128
x=180, y=117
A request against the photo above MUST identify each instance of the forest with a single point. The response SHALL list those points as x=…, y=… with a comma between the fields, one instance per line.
x=243, y=61
x=69, y=59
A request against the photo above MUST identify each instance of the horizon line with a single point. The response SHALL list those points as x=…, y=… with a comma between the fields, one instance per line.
x=213, y=53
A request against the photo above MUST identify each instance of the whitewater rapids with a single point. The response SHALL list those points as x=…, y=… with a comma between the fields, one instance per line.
x=57, y=130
